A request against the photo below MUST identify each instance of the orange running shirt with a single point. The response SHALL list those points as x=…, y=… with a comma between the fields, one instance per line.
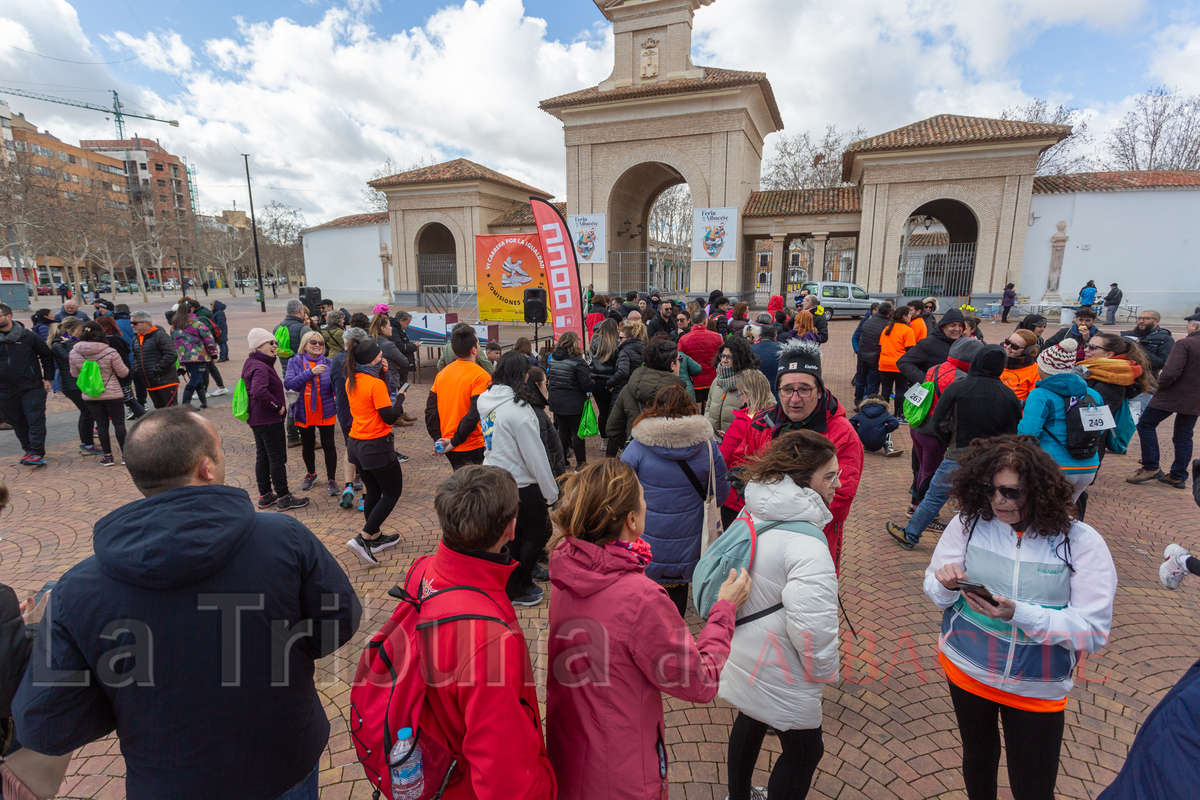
x=366, y=398
x=917, y=323
x=892, y=346
x=454, y=386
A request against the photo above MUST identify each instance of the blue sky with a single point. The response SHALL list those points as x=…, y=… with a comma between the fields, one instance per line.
x=322, y=92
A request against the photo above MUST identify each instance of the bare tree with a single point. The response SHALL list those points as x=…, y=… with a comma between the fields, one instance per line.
x=1162, y=132
x=1071, y=154
x=279, y=240
x=671, y=218
x=375, y=200
x=805, y=162
x=226, y=245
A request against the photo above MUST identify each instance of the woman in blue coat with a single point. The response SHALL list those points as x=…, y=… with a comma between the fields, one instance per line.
x=308, y=373
x=670, y=440
x=1046, y=413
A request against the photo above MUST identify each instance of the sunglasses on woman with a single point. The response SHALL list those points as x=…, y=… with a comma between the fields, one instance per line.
x=1007, y=492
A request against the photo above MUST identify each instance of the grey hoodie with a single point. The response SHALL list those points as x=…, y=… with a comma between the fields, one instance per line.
x=513, y=441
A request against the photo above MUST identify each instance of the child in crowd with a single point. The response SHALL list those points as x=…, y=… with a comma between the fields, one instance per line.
x=875, y=425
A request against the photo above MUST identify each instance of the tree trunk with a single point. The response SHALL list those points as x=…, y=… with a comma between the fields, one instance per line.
x=137, y=271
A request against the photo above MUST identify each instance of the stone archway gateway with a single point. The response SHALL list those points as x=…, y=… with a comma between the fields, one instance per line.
x=657, y=121
x=437, y=262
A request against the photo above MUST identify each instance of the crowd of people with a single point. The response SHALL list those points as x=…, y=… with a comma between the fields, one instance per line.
x=718, y=432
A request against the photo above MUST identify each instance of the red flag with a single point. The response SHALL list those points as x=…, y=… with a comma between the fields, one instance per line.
x=562, y=271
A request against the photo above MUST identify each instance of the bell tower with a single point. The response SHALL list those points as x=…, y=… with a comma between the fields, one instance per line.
x=653, y=41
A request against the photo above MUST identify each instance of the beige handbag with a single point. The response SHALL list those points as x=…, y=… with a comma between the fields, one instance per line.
x=711, y=527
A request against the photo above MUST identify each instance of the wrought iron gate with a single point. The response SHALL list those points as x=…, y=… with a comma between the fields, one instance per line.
x=668, y=271
x=940, y=271
x=439, y=269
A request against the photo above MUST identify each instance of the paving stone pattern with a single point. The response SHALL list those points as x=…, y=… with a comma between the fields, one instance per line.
x=889, y=725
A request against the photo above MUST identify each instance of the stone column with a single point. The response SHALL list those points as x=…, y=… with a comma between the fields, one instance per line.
x=1058, y=243
x=779, y=266
x=385, y=260
x=818, y=256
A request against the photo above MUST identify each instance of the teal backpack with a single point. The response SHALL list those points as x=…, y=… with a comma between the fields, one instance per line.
x=734, y=549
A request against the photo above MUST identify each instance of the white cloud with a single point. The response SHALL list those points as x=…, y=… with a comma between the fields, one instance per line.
x=1176, y=58
x=166, y=53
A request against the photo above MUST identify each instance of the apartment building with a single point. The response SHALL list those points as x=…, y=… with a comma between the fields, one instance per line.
x=157, y=179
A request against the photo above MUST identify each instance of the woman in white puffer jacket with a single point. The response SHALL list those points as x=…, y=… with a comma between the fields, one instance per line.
x=785, y=646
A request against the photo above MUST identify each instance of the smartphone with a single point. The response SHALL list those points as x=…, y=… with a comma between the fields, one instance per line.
x=404, y=388
x=977, y=589
x=47, y=586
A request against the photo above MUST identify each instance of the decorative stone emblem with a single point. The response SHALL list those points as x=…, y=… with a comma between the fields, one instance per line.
x=650, y=58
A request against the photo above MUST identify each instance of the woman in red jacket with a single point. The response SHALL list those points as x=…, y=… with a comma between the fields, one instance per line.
x=617, y=643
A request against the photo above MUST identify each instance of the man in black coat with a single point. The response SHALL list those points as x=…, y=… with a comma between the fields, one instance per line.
x=867, y=375
x=1156, y=340
x=1112, y=302
x=26, y=364
x=203, y=652
x=152, y=357
x=663, y=321
x=934, y=349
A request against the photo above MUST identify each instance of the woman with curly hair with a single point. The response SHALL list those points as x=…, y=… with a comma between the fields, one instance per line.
x=1015, y=536
x=732, y=359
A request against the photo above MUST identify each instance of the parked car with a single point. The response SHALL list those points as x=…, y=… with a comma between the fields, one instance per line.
x=123, y=286
x=43, y=289
x=841, y=298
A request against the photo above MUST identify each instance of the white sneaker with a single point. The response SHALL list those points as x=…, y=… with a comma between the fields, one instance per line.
x=220, y=390
x=1174, y=566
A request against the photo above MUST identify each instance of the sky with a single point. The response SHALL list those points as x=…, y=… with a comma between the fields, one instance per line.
x=321, y=92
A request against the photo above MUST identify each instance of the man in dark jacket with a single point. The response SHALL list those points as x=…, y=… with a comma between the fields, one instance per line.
x=218, y=316
x=1179, y=394
x=866, y=380
x=630, y=304
x=152, y=357
x=978, y=406
x=120, y=316
x=70, y=309
x=26, y=364
x=934, y=349
x=663, y=321
x=1156, y=340
x=820, y=316
x=408, y=349
x=209, y=684
x=1112, y=302
x=767, y=349
x=661, y=369
x=1082, y=330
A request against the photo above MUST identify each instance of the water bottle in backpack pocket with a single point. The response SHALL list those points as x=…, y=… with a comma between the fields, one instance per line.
x=408, y=781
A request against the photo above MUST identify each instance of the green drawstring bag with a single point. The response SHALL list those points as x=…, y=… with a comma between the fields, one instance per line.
x=241, y=401
x=916, y=413
x=587, y=424
x=284, y=340
x=89, y=381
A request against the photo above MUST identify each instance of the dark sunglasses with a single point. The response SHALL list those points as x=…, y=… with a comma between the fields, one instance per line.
x=1013, y=345
x=1007, y=492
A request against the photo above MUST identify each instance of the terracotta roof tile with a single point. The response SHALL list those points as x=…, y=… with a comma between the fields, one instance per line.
x=456, y=171
x=521, y=216
x=951, y=129
x=352, y=221
x=788, y=202
x=1115, y=181
x=935, y=239
x=714, y=78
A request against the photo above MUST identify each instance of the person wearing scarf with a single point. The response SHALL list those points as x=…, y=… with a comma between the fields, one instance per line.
x=308, y=375
x=1118, y=370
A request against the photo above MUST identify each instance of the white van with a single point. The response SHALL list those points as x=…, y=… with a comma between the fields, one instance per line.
x=841, y=298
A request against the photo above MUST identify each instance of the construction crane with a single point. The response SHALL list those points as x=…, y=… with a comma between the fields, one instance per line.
x=117, y=111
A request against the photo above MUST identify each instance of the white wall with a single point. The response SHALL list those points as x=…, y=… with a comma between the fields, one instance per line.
x=1147, y=241
x=344, y=262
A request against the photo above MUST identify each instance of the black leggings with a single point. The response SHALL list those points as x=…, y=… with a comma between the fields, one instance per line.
x=893, y=381
x=679, y=596
x=1033, y=740
x=383, y=488
x=165, y=396
x=215, y=373
x=604, y=400
x=270, y=458
x=533, y=531
x=568, y=434
x=794, y=769
x=308, y=449
x=85, y=416
x=104, y=411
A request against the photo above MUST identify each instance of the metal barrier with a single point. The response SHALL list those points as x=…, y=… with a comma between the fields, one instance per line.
x=451, y=298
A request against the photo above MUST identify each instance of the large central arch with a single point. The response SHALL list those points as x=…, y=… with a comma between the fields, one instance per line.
x=634, y=262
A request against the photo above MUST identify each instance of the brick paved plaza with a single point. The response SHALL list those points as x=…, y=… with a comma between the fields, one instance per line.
x=889, y=728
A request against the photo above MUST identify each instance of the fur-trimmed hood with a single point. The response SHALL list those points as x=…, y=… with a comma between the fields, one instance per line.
x=674, y=437
x=871, y=403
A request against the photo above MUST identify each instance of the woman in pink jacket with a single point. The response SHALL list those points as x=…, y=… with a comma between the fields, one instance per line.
x=617, y=642
x=109, y=404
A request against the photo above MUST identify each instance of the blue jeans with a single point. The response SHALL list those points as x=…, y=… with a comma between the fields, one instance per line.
x=304, y=790
x=1181, y=439
x=223, y=346
x=866, y=377
x=939, y=491
x=56, y=382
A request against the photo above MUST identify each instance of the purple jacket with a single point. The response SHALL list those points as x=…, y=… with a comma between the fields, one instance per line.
x=264, y=388
x=298, y=375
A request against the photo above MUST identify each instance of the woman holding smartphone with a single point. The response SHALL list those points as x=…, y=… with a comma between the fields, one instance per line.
x=1007, y=659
